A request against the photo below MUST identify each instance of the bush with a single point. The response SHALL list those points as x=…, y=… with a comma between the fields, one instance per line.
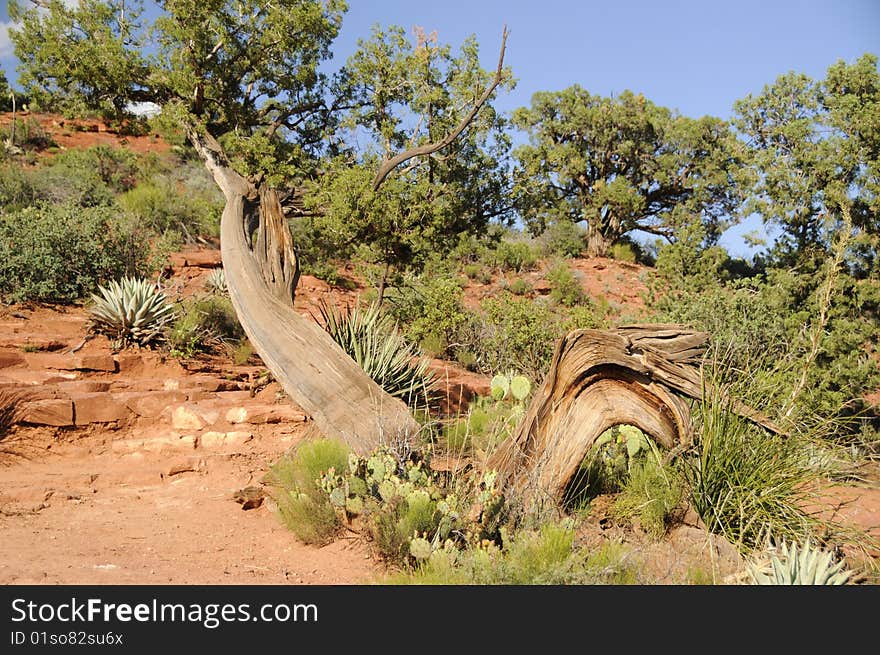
x=651, y=494
x=515, y=256
x=562, y=239
x=202, y=324
x=164, y=206
x=565, y=288
x=520, y=287
x=744, y=482
x=548, y=555
x=431, y=309
x=372, y=340
x=517, y=333
x=60, y=253
x=302, y=503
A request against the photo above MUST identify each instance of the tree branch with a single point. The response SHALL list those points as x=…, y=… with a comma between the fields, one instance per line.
x=390, y=164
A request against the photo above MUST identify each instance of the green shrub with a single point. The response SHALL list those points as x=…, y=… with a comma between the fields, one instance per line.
x=430, y=308
x=651, y=493
x=203, y=324
x=562, y=239
x=60, y=253
x=302, y=504
x=130, y=312
x=515, y=256
x=477, y=273
x=623, y=251
x=517, y=333
x=745, y=482
x=372, y=340
x=486, y=425
x=565, y=288
x=163, y=206
x=546, y=556
x=520, y=287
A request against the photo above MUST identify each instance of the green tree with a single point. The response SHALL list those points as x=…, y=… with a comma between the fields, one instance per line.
x=624, y=164
x=242, y=80
x=409, y=95
x=811, y=142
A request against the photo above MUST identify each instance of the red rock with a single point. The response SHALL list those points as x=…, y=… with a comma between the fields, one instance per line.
x=10, y=358
x=259, y=414
x=97, y=363
x=57, y=412
x=84, y=386
x=151, y=404
x=197, y=259
x=98, y=408
x=63, y=362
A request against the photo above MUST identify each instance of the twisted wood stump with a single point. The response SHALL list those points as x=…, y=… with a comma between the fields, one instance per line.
x=636, y=375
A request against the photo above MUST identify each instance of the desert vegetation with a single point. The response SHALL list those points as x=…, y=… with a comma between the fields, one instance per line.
x=395, y=176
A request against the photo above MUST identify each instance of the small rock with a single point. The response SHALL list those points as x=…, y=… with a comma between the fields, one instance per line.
x=184, y=417
x=249, y=497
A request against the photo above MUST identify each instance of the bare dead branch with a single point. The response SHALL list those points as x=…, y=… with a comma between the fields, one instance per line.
x=389, y=165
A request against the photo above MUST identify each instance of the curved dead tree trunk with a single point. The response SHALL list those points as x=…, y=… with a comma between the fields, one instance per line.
x=637, y=375
x=261, y=274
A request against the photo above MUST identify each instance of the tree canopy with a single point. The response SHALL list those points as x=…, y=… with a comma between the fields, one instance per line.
x=813, y=143
x=624, y=164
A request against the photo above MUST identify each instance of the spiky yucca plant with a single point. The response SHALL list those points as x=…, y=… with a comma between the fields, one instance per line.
x=798, y=564
x=216, y=281
x=130, y=311
x=372, y=340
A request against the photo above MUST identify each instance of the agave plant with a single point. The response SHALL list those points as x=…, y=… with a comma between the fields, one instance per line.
x=372, y=339
x=216, y=281
x=130, y=311
x=798, y=564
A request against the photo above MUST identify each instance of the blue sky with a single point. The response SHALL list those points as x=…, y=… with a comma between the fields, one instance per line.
x=697, y=56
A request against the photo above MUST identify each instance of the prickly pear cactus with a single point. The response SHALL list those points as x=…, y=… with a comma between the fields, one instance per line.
x=500, y=387
x=520, y=387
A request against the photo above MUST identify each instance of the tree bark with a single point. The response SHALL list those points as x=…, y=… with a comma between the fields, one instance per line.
x=261, y=274
x=598, y=244
x=636, y=375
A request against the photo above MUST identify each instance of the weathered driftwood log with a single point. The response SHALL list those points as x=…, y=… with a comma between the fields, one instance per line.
x=635, y=375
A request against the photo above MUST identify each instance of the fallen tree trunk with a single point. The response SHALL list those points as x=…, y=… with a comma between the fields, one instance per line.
x=636, y=375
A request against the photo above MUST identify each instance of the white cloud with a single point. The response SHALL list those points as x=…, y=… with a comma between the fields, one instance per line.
x=5, y=42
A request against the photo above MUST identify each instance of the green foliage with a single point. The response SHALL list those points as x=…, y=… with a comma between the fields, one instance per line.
x=623, y=251
x=798, y=564
x=609, y=464
x=487, y=423
x=477, y=273
x=564, y=239
x=517, y=333
x=372, y=339
x=163, y=206
x=60, y=253
x=303, y=505
x=651, y=493
x=565, y=288
x=809, y=141
x=431, y=308
x=623, y=163
x=745, y=482
x=410, y=510
x=548, y=555
x=520, y=287
x=202, y=324
x=515, y=256
x=216, y=282
x=130, y=311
